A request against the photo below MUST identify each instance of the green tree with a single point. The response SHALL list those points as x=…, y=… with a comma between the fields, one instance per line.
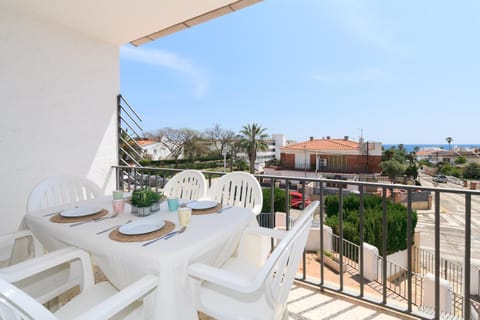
x=449, y=141
x=193, y=145
x=461, y=160
x=393, y=168
x=176, y=140
x=373, y=216
x=220, y=138
x=471, y=171
x=253, y=140
x=279, y=201
x=412, y=171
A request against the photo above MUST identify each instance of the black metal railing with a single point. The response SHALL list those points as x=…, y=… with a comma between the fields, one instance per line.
x=409, y=284
x=129, y=131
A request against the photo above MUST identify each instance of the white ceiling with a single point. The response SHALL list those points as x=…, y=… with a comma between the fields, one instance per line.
x=118, y=21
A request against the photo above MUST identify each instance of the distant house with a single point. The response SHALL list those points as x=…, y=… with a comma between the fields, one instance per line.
x=434, y=155
x=333, y=155
x=154, y=150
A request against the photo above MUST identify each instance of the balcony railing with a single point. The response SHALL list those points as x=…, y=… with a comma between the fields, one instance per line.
x=397, y=287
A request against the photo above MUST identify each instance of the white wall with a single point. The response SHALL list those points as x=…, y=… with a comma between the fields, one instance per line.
x=58, y=94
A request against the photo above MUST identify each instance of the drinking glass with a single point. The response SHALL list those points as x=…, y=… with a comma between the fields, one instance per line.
x=118, y=206
x=184, y=215
x=172, y=204
x=117, y=194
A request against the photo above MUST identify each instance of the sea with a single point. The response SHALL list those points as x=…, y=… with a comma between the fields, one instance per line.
x=411, y=147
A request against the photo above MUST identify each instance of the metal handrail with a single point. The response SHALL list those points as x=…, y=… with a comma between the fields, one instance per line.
x=415, y=283
x=123, y=122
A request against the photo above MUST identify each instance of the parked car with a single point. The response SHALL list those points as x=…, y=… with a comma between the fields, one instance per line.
x=440, y=178
x=296, y=200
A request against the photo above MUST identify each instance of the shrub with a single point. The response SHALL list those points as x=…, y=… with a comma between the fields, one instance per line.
x=461, y=160
x=279, y=200
x=373, y=215
x=471, y=171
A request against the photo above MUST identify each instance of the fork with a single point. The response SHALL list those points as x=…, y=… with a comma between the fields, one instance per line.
x=94, y=220
x=167, y=236
x=181, y=230
x=118, y=225
x=223, y=209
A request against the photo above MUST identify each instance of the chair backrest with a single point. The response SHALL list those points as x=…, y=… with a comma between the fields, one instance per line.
x=279, y=270
x=16, y=304
x=58, y=190
x=238, y=189
x=188, y=184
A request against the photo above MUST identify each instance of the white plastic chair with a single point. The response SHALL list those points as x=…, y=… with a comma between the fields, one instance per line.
x=52, y=191
x=239, y=189
x=58, y=190
x=188, y=185
x=241, y=290
x=96, y=301
x=22, y=245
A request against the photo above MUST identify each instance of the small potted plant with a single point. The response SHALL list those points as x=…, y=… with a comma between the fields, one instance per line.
x=145, y=202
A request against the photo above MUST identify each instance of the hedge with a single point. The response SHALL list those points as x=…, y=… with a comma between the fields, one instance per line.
x=279, y=200
x=373, y=213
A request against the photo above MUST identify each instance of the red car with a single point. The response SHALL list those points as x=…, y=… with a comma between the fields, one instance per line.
x=296, y=200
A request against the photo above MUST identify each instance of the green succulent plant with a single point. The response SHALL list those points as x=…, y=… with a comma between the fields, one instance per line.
x=145, y=197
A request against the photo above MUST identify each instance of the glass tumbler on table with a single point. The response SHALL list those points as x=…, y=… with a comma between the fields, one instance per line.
x=172, y=204
x=118, y=206
x=184, y=216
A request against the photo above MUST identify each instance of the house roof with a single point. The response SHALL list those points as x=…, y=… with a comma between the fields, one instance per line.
x=323, y=145
x=145, y=142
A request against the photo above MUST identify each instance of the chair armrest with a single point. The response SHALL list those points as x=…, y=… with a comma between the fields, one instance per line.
x=222, y=278
x=32, y=267
x=273, y=233
x=119, y=301
x=15, y=235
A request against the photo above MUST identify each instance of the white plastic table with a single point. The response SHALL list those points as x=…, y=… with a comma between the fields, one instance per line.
x=210, y=238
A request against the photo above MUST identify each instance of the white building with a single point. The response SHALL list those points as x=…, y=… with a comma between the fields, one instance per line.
x=60, y=76
x=273, y=150
x=155, y=150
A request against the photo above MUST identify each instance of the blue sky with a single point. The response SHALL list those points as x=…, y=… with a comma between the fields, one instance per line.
x=399, y=71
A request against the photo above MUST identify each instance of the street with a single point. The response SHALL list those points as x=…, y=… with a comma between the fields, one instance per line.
x=452, y=223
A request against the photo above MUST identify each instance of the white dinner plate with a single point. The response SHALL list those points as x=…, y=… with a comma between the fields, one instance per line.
x=80, y=212
x=141, y=227
x=201, y=205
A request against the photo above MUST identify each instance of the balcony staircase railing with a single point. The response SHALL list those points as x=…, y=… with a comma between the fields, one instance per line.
x=129, y=131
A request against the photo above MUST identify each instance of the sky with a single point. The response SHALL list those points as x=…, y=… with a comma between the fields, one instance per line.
x=393, y=71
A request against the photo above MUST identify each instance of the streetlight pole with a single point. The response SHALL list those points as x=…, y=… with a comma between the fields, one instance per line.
x=305, y=165
x=224, y=160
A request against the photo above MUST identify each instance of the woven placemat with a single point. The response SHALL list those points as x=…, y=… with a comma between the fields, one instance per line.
x=58, y=218
x=207, y=211
x=117, y=236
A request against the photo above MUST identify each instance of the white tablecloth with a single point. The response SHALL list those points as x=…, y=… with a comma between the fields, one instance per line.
x=210, y=238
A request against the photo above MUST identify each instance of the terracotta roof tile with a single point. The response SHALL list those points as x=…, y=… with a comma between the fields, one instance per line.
x=323, y=144
x=145, y=142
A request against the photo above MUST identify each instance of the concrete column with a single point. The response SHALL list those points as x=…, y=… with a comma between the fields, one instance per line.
x=370, y=266
x=446, y=298
x=313, y=241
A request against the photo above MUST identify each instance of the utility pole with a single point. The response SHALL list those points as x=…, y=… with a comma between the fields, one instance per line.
x=305, y=165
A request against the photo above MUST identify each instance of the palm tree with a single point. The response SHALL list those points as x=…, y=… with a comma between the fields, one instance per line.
x=253, y=140
x=449, y=141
